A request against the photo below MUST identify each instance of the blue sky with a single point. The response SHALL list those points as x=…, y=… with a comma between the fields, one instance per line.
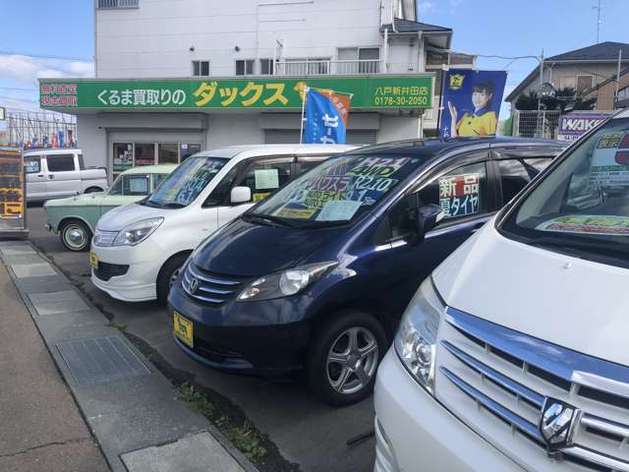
x=64, y=29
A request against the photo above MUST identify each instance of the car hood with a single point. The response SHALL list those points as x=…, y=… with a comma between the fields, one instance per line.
x=120, y=217
x=84, y=199
x=574, y=303
x=250, y=249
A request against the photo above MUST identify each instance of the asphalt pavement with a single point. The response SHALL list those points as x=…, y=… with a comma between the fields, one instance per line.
x=307, y=433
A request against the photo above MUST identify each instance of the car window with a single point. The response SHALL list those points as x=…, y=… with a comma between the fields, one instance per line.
x=157, y=179
x=220, y=194
x=538, y=164
x=308, y=162
x=60, y=163
x=513, y=176
x=461, y=193
x=32, y=164
x=265, y=176
x=81, y=162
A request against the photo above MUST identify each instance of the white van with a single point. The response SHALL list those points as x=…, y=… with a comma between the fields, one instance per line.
x=138, y=248
x=57, y=173
x=514, y=354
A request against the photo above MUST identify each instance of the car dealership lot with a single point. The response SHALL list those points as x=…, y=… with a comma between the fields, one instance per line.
x=308, y=433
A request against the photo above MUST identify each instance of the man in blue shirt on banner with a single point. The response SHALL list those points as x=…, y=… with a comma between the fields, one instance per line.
x=325, y=117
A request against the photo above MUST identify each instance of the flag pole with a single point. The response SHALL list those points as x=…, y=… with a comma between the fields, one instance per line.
x=303, y=110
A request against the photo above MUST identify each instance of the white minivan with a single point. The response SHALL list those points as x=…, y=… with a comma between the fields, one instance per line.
x=138, y=248
x=514, y=354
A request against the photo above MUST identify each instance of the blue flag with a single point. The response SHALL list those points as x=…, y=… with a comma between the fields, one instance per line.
x=326, y=118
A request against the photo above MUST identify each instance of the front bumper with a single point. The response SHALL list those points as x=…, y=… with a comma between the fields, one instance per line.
x=414, y=432
x=139, y=282
x=240, y=337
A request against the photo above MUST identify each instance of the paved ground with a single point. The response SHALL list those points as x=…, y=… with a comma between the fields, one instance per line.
x=307, y=433
x=41, y=428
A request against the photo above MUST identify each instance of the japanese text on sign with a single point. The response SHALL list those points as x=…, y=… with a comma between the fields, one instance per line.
x=459, y=195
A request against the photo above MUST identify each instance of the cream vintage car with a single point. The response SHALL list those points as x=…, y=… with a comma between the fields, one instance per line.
x=74, y=218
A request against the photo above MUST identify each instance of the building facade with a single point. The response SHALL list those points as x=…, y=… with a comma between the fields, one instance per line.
x=173, y=78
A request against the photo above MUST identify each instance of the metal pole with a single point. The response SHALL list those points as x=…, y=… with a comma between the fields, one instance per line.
x=618, y=78
x=303, y=109
x=539, y=97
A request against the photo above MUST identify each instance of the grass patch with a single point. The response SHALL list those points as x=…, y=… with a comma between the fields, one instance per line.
x=242, y=434
x=118, y=326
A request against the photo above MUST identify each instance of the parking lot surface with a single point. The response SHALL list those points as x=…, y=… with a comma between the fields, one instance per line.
x=307, y=433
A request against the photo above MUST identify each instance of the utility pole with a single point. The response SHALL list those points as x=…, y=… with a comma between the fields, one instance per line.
x=618, y=78
x=598, y=21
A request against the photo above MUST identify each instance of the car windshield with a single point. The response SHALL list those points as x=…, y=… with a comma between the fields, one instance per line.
x=186, y=182
x=337, y=191
x=131, y=185
x=582, y=206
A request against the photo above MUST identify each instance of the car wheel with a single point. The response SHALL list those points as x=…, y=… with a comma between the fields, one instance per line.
x=344, y=358
x=75, y=236
x=167, y=276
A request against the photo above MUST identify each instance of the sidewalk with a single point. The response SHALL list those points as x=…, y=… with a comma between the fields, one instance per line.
x=41, y=428
x=110, y=388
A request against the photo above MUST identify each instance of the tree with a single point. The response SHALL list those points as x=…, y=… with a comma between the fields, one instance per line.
x=527, y=101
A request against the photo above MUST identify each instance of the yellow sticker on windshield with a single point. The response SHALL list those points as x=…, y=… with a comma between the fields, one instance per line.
x=299, y=214
x=607, y=225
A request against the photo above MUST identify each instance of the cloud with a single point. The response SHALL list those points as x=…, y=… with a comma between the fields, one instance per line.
x=27, y=69
x=425, y=7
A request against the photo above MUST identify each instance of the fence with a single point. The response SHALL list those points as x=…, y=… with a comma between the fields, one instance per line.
x=534, y=124
x=325, y=67
x=40, y=129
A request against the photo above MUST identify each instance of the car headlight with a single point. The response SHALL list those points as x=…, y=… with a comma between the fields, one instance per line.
x=285, y=283
x=415, y=342
x=137, y=232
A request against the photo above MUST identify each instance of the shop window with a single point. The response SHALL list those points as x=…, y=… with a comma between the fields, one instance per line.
x=144, y=154
x=186, y=150
x=123, y=157
x=61, y=163
x=201, y=68
x=167, y=154
x=32, y=165
x=266, y=66
x=244, y=66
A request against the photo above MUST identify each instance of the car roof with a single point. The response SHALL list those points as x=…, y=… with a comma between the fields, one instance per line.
x=252, y=150
x=52, y=152
x=156, y=169
x=430, y=147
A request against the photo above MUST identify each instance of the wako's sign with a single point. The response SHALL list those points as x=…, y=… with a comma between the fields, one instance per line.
x=573, y=125
x=411, y=91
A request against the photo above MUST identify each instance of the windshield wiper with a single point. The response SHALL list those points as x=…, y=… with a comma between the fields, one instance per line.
x=266, y=219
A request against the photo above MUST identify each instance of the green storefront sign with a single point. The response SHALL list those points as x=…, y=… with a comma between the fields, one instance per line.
x=372, y=92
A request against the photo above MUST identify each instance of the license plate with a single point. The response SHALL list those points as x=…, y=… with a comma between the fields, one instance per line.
x=93, y=261
x=183, y=329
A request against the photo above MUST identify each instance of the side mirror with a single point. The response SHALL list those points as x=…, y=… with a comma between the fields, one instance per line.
x=428, y=216
x=240, y=195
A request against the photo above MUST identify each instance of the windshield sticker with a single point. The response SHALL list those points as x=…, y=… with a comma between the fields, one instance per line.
x=267, y=179
x=459, y=195
x=379, y=166
x=338, y=210
x=195, y=183
x=259, y=196
x=139, y=185
x=607, y=225
x=610, y=161
x=295, y=213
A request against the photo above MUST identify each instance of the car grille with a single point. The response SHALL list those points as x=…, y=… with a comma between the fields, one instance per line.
x=210, y=288
x=497, y=380
x=104, y=238
x=106, y=271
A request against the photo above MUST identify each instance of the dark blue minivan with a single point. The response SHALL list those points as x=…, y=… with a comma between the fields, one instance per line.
x=318, y=274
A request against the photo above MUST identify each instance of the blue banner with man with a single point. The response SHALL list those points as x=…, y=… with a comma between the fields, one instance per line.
x=471, y=102
x=326, y=114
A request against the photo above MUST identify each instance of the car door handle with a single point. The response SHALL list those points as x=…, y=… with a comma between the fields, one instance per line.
x=40, y=175
x=51, y=176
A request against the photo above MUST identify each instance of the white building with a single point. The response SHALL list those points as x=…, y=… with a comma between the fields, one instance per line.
x=207, y=47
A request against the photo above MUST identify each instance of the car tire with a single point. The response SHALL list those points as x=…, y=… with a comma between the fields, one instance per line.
x=344, y=356
x=168, y=271
x=75, y=235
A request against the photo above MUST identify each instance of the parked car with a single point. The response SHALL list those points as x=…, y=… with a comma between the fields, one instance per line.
x=137, y=248
x=56, y=173
x=74, y=218
x=513, y=354
x=317, y=275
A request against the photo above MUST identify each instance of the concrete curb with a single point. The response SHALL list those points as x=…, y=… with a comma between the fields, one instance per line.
x=128, y=404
